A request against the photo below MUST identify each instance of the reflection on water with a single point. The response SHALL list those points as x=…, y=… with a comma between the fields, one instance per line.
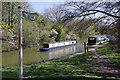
x=33, y=55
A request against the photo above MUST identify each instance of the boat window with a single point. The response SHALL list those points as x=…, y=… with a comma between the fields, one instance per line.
x=92, y=38
x=53, y=45
x=72, y=42
x=46, y=45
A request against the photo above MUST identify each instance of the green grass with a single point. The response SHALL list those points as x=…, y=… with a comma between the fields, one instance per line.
x=114, y=57
x=89, y=47
x=78, y=67
x=70, y=67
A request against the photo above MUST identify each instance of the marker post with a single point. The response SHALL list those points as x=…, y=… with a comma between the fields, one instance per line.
x=20, y=43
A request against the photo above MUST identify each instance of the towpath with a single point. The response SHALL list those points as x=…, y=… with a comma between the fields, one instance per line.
x=76, y=54
x=104, y=64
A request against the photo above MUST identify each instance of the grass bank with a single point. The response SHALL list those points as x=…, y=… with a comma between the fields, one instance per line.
x=112, y=55
x=78, y=67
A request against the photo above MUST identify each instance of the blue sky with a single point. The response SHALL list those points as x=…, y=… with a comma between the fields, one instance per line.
x=41, y=6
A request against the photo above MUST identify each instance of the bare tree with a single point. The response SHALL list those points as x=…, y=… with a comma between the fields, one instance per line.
x=105, y=9
x=56, y=13
x=102, y=13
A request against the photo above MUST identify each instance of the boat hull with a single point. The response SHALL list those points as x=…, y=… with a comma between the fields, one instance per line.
x=46, y=49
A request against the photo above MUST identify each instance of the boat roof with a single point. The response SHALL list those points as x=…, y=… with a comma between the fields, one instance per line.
x=100, y=36
x=60, y=42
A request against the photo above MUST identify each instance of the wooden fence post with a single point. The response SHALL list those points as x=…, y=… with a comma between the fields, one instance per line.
x=85, y=47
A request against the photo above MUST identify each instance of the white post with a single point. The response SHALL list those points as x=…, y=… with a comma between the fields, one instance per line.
x=20, y=44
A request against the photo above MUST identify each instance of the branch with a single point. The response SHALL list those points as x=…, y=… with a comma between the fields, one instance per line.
x=112, y=23
x=105, y=13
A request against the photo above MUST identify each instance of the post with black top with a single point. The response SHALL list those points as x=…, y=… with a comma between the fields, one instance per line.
x=20, y=43
x=85, y=47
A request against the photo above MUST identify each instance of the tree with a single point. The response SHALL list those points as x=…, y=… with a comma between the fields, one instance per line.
x=56, y=13
x=105, y=13
x=10, y=12
x=10, y=25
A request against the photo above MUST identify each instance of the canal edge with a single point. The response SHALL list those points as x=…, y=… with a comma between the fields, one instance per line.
x=73, y=55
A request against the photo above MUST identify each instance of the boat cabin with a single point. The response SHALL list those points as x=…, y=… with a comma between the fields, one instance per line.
x=48, y=46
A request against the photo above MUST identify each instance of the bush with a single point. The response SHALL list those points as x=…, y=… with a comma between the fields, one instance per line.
x=61, y=31
x=30, y=33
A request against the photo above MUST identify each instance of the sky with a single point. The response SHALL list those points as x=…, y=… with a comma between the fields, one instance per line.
x=41, y=6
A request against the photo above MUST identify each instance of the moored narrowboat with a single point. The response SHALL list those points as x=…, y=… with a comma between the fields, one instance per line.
x=48, y=46
x=97, y=40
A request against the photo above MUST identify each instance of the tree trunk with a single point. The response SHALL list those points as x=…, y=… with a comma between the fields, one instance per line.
x=12, y=5
x=9, y=13
x=118, y=27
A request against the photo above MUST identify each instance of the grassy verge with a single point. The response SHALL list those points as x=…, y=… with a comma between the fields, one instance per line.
x=89, y=47
x=114, y=57
x=54, y=59
x=75, y=67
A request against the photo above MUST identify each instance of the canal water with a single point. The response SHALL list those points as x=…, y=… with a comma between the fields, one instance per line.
x=34, y=55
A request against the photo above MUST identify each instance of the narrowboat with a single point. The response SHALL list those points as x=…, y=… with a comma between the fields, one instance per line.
x=97, y=40
x=48, y=46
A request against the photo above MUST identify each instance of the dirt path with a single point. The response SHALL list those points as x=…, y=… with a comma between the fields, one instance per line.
x=104, y=64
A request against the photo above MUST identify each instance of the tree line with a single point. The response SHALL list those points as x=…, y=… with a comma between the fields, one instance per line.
x=72, y=20
x=105, y=16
